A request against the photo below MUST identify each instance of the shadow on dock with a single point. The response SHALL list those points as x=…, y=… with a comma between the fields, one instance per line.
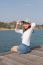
x=38, y=46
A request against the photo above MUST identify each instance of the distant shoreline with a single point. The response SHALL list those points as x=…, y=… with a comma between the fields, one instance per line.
x=6, y=29
x=14, y=29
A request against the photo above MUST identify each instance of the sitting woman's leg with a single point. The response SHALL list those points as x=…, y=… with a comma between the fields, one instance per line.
x=14, y=49
x=22, y=48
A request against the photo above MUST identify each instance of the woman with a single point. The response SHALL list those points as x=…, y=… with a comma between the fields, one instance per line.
x=24, y=47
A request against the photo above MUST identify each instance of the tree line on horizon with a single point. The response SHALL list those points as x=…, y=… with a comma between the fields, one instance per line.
x=11, y=25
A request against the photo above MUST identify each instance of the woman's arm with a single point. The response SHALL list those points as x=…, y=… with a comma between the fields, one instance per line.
x=17, y=28
x=17, y=25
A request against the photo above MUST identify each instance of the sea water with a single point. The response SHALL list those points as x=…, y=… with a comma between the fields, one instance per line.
x=9, y=38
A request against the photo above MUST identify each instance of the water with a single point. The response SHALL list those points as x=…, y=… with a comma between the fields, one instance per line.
x=10, y=38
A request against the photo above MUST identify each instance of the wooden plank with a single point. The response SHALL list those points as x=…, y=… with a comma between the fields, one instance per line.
x=1, y=57
x=38, y=53
x=2, y=63
x=23, y=59
x=19, y=59
x=31, y=57
x=8, y=61
x=35, y=60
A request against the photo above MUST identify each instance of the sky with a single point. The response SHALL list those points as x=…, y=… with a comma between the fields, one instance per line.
x=11, y=10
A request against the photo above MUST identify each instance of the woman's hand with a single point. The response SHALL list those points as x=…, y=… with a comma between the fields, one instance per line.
x=19, y=23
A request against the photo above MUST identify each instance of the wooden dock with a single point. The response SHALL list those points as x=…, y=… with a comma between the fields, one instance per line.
x=35, y=57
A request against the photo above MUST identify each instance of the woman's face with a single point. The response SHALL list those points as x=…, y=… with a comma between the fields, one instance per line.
x=26, y=26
